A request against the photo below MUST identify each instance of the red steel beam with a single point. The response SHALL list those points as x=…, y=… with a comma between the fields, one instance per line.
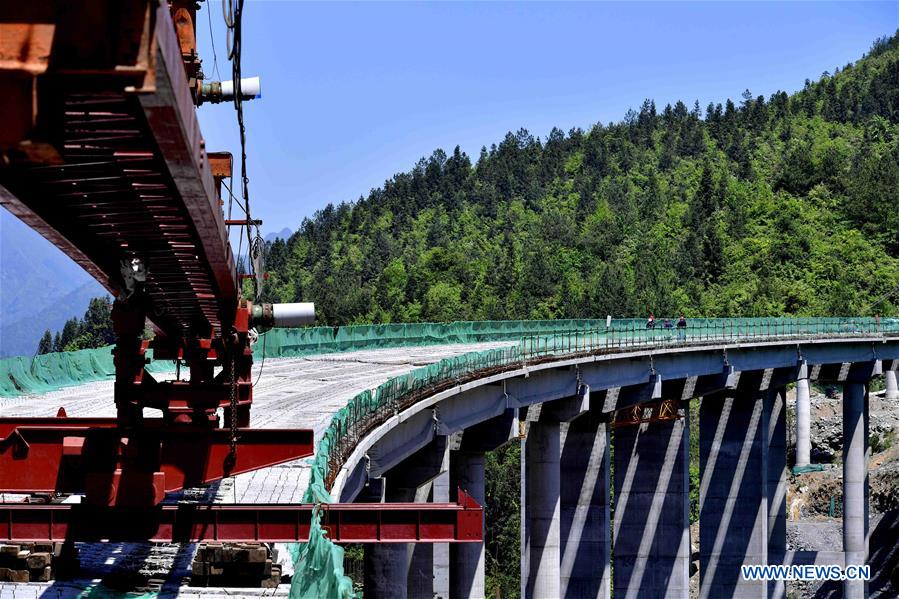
x=172, y=119
x=46, y=455
x=461, y=522
x=111, y=95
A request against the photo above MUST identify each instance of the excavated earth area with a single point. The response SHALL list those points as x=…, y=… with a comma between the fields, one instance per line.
x=290, y=393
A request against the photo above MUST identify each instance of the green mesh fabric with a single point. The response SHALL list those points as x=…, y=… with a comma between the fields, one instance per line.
x=101, y=591
x=292, y=343
x=808, y=468
x=48, y=372
x=318, y=566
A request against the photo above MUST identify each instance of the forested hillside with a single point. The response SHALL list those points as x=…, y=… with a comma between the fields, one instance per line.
x=764, y=206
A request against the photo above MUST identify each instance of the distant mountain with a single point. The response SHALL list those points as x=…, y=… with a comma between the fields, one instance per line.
x=284, y=234
x=21, y=338
x=40, y=287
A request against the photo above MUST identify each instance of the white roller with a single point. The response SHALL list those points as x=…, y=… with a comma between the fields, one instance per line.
x=250, y=88
x=293, y=315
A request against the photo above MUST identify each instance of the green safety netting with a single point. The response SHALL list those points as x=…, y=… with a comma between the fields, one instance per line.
x=284, y=343
x=49, y=372
x=101, y=591
x=808, y=468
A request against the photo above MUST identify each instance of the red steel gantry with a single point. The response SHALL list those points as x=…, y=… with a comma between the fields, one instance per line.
x=101, y=153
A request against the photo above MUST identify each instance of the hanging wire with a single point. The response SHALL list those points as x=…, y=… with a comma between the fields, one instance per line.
x=233, y=15
x=230, y=199
x=215, y=59
x=881, y=299
x=262, y=364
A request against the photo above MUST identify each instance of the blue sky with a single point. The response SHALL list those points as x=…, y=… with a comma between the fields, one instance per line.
x=355, y=92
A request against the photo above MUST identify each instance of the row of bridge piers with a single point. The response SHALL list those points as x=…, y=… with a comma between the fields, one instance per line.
x=605, y=503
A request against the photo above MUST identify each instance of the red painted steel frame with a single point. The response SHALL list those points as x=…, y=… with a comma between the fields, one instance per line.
x=460, y=522
x=109, y=164
x=45, y=455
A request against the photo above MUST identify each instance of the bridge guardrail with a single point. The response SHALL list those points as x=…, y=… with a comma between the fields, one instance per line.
x=624, y=334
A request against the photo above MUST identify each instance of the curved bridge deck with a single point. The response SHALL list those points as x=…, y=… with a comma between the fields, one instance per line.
x=564, y=378
x=290, y=393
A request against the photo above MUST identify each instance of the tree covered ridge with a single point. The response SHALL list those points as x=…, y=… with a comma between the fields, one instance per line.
x=766, y=206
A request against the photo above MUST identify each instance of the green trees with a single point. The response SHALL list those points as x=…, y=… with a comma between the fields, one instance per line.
x=778, y=205
x=94, y=330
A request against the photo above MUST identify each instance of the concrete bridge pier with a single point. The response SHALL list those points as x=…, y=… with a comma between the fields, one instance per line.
x=776, y=454
x=584, y=497
x=541, y=493
x=467, y=560
x=652, y=502
x=540, y=512
x=422, y=570
x=803, y=419
x=400, y=569
x=386, y=565
x=892, y=387
x=855, y=482
x=733, y=493
x=442, y=491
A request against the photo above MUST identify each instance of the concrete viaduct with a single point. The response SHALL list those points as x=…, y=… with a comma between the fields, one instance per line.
x=588, y=479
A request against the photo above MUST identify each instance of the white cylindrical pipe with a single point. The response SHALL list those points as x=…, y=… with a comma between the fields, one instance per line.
x=293, y=315
x=250, y=88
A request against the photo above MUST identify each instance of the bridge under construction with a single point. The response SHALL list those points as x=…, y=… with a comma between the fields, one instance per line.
x=372, y=435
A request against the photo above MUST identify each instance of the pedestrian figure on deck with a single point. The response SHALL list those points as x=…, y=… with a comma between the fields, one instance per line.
x=682, y=328
x=651, y=322
x=877, y=322
x=669, y=328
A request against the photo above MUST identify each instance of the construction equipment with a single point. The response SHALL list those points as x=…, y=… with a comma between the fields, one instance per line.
x=101, y=153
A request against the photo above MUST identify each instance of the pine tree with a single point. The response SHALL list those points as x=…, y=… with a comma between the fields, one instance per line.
x=46, y=343
x=70, y=331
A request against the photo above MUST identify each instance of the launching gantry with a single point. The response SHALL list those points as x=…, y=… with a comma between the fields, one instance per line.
x=101, y=153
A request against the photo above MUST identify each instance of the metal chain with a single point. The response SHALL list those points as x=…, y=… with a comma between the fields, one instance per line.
x=232, y=454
